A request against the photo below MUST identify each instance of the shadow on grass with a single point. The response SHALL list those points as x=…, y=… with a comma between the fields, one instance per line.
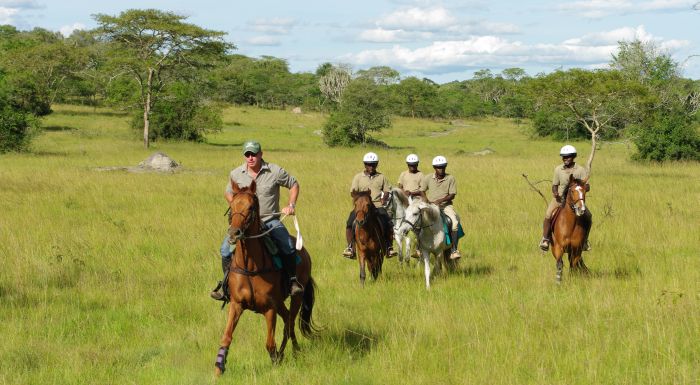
x=224, y=144
x=49, y=153
x=92, y=113
x=477, y=270
x=358, y=342
x=58, y=128
x=620, y=272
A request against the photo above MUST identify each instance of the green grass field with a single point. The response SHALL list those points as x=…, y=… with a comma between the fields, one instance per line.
x=105, y=275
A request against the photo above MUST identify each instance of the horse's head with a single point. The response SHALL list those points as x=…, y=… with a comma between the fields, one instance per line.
x=576, y=195
x=412, y=217
x=363, y=206
x=244, y=208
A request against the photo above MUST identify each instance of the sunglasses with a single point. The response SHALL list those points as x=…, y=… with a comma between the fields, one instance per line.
x=250, y=154
x=371, y=164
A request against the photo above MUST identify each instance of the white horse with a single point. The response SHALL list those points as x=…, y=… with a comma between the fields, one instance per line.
x=396, y=205
x=425, y=219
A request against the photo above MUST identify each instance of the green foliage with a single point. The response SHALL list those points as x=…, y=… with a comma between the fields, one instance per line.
x=363, y=109
x=182, y=114
x=17, y=129
x=669, y=136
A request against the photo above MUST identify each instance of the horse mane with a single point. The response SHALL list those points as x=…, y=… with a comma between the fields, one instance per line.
x=400, y=195
x=432, y=213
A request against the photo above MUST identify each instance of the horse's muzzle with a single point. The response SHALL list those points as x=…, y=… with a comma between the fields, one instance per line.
x=234, y=234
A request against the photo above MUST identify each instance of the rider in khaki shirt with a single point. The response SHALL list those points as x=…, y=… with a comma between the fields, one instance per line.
x=379, y=187
x=440, y=188
x=559, y=182
x=410, y=180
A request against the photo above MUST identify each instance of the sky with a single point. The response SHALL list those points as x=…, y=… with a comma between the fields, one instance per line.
x=441, y=40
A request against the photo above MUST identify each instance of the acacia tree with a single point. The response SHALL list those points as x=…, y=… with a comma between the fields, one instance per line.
x=597, y=100
x=157, y=48
x=333, y=81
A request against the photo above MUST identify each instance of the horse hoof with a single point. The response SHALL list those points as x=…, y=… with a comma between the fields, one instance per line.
x=218, y=372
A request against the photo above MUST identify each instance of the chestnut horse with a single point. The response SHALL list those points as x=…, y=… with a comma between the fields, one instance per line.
x=254, y=283
x=369, y=240
x=569, y=228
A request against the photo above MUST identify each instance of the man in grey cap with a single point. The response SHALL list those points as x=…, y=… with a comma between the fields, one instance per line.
x=268, y=178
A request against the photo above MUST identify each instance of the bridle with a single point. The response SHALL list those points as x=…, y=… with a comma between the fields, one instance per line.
x=581, y=194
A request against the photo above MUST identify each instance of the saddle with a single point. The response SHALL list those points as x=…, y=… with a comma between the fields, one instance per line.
x=447, y=225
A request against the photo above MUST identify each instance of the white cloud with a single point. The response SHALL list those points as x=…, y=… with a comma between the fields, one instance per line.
x=592, y=51
x=20, y=4
x=6, y=15
x=264, y=40
x=275, y=26
x=601, y=8
x=381, y=35
x=67, y=30
x=418, y=19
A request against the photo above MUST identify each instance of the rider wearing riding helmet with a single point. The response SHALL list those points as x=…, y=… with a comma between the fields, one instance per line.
x=409, y=180
x=379, y=187
x=440, y=188
x=559, y=183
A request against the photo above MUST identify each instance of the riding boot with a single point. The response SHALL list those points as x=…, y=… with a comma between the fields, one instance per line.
x=349, y=252
x=455, y=252
x=289, y=263
x=216, y=294
x=390, y=252
x=546, y=230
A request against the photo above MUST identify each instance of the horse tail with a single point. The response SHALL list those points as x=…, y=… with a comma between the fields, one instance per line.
x=306, y=325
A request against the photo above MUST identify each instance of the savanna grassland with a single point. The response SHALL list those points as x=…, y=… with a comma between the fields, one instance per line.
x=105, y=275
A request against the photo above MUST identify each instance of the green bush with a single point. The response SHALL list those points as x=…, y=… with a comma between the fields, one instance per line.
x=16, y=129
x=181, y=114
x=671, y=136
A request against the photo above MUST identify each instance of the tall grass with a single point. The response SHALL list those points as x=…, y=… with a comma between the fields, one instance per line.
x=105, y=274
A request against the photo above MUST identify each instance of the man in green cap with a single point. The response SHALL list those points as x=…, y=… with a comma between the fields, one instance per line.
x=268, y=178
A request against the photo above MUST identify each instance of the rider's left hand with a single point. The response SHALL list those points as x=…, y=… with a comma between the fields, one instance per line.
x=288, y=210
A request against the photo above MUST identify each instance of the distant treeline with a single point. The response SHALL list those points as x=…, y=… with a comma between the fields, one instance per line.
x=641, y=97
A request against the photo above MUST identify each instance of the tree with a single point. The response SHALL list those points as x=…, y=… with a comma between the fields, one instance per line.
x=17, y=126
x=382, y=75
x=156, y=48
x=333, y=82
x=416, y=97
x=599, y=101
x=363, y=109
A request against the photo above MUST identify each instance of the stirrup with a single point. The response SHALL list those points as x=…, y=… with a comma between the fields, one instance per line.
x=544, y=244
x=295, y=288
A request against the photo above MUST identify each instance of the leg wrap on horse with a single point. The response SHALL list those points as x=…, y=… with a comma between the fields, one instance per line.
x=221, y=359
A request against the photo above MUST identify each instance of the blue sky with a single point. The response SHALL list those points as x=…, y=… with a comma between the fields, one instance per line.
x=442, y=40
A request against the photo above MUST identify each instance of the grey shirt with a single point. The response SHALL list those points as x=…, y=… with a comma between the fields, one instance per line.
x=267, y=186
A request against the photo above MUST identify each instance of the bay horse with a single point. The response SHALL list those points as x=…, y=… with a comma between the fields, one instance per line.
x=426, y=221
x=254, y=283
x=396, y=205
x=570, y=226
x=368, y=236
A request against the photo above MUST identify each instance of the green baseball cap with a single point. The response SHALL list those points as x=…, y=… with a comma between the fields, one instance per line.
x=251, y=146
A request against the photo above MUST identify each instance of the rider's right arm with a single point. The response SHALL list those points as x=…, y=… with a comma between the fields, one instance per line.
x=555, y=191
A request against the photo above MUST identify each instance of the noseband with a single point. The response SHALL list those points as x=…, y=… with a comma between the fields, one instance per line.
x=582, y=197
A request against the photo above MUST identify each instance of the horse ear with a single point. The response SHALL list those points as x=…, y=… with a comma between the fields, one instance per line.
x=234, y=187
x=571, y=178
x=252, y=187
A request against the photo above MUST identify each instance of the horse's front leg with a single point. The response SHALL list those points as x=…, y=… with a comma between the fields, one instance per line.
x=397, y=238
x=271, y=318
x=558, y=253
x=426, y=261
x=234, y=314
x=363, y=274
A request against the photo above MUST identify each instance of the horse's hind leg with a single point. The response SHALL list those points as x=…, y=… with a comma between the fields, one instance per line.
x=234, y=314
x=284, y=313
x=271, y=318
